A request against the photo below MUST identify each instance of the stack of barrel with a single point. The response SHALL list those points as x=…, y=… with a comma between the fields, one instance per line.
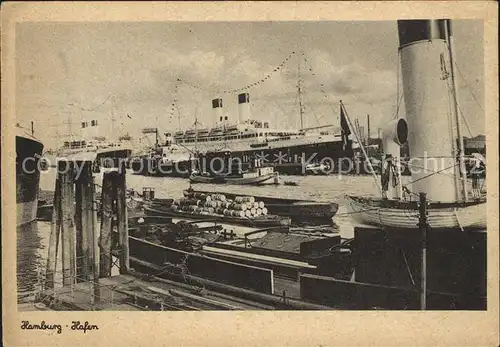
x=218, y=204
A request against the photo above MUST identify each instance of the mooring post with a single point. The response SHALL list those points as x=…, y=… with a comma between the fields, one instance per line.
x=55, y=234
x=66, y=172
x=107, y=198
x=83, y=219
x=122, y=217
x=94, y=270
x=423, y=256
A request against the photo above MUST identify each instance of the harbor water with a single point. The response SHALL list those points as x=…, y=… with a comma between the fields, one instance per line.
x=33, y=239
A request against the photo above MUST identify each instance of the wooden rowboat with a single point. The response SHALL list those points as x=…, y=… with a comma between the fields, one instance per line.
x=256, y=176
x=257, y=222
x=405, y=215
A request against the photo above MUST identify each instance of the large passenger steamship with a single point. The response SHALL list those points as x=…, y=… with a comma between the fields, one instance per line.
x=246, y=140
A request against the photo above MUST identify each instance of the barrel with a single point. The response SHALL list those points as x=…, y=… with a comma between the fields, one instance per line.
x=188, y=193
x=256, y=205
x=248, y=213
x=264, y=211
x=261, y=204
x=252, y=211
x=240, y=199
x=258, y=212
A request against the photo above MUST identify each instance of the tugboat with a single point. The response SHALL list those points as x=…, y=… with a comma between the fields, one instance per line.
x=28, y=154
x=258, y=174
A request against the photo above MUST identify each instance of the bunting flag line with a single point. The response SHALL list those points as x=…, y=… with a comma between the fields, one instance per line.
x=246, y=87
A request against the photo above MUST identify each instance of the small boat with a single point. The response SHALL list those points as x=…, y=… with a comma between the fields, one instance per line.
x=404, y=214
x=290, y=183
x=297, y=210
x=316, y=169
x=256, y=221
x=257, y=176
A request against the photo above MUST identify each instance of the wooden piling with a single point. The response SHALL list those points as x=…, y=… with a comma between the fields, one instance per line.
x=94, y=260
x=122, y=217
x=55, y=234
x=80, y=267
x=66, y=176
x=423, y=256
x=107, y=198
x=84, y=197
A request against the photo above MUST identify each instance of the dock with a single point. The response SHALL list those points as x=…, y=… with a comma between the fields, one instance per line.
x=108, y=264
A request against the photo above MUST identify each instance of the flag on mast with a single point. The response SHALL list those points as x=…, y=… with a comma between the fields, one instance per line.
x=345, y=131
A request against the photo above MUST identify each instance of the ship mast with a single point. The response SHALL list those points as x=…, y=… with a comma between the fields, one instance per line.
x=196, y=129
x=462, y=177
x=299, y=89
x=113, y=118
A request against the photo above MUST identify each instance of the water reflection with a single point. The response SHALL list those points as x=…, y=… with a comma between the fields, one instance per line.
x=31, y=247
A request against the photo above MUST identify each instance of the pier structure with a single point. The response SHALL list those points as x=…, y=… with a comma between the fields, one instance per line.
x=85, y=257
x=86, y=251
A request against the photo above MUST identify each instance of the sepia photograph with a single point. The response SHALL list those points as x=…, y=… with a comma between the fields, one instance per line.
x=249, y=165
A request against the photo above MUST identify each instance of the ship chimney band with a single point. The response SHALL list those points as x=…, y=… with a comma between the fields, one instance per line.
x=411, y=31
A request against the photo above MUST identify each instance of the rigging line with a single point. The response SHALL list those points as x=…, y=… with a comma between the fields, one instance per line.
x=468, y=86
x=95, y=108
x=321, y=90
x=434, y=173
x=310, y=105
x=465, y=119
x=398, y=98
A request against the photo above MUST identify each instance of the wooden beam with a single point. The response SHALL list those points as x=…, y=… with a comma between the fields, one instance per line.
x=66, y=176
x=122, y=217
x=55, y=234
x=107, y=199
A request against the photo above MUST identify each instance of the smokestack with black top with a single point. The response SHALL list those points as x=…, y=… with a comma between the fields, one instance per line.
x=217, y=109
x=243, y=107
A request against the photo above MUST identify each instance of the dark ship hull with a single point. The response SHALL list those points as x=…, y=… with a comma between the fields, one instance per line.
x=285, y=160
x=28, y=155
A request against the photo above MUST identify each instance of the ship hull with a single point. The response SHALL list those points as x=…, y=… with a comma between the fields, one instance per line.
x=291, y=160
x=267, y=179
x=154, y=167
x=28, y=154
x=330, y=153
x=405, y=215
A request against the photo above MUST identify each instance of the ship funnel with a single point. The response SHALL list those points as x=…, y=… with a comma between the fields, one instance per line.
x=217, y=110
x=425, y=67
x=243, y=107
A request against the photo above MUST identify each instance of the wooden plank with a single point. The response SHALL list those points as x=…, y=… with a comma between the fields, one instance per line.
x=107, y=198
x=79, y=211
x=93, y=258
x=83, y=219
x=65, y=169
x=55, y=233
x=122, y=217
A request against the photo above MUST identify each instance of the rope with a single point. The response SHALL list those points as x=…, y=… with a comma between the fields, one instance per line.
x=468, y=85
x=94, y=108
x=242, y=88
x=431, y=174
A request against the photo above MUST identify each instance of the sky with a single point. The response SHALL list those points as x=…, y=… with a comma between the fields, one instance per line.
x=68, y=72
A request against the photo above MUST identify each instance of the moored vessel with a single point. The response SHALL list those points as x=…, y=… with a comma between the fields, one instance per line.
x=436, y=144
x=28, y=154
